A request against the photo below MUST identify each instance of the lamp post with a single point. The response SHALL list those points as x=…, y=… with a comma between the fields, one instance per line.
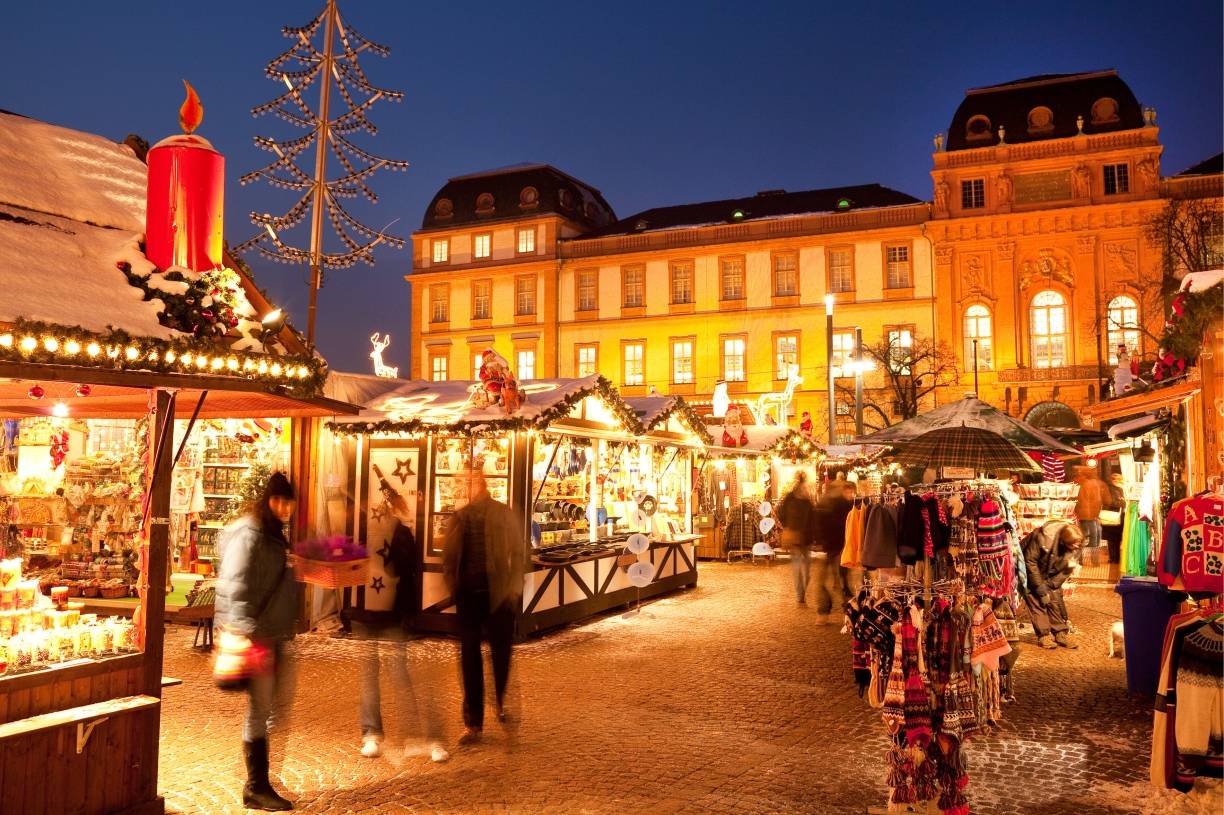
x=976, y=392
x=829, y=363
x=858, y=381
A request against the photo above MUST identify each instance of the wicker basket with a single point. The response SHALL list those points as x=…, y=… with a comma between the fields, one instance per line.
x=332, y=574
x=115, y=592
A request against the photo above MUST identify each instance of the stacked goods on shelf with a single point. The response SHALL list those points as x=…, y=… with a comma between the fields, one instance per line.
x=1047, y=501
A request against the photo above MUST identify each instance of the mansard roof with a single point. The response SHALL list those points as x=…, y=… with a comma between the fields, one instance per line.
x=517, y=191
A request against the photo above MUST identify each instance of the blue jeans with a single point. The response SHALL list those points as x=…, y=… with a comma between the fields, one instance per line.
x=801, y=563
x=417, y=716
x=1092, y=533
x=270, y=695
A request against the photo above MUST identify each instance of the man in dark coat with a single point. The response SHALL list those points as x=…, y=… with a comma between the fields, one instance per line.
x=794, y=513
x=829, y=522
x=1051, y=553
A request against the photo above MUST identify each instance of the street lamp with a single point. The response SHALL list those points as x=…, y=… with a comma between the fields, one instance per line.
x=829, y=363
x=858, y=381
x=976, y=392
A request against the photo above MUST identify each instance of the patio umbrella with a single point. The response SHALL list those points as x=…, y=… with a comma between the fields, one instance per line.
x=971, y=412
x=964, y=446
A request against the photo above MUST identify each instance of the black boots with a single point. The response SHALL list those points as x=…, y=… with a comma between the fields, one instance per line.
x=258, y=792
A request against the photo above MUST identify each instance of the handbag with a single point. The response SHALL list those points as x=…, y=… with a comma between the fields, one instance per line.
x=1110, y=517
x=240, y=658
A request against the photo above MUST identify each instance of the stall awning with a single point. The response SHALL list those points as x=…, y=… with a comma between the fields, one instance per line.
x=1167, y=397
x=226, y=399
x=970, y=412
x=1137, y=427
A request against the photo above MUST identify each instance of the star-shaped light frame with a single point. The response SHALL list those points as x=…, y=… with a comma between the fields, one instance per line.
x=377, y=584
x=403, y=469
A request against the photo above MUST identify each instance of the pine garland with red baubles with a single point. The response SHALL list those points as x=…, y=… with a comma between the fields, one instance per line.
x=1182, y=342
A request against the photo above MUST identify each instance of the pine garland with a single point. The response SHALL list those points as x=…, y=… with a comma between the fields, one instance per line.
x=687, y=415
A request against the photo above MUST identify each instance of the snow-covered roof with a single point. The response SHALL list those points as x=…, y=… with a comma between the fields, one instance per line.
x=390, y=403
x=1196, y=282
x=71, y=207
x=656, y=412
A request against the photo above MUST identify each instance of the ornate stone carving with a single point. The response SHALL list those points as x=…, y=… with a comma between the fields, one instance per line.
x=975, y=276
x=1003, y=190
x=943, y=253
x=942, y=191
x=1085, y=244
x=1121, y=260
x=1081, y=179
x=1148, y=171
x=1007, y=250
x=1048, y=267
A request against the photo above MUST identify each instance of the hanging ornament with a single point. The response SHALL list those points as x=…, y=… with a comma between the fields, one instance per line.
x=83, y=390
x=36, y=392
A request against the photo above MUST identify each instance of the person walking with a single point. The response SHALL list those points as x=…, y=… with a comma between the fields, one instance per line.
x=482, y=563
x=829, y=522
x=1093, y=497
x=795, y=515
x=1050, y=556
x=258, y=599
x=419, y=715
x=1111, y=524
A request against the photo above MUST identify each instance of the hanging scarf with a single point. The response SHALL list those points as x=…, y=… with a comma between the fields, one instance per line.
x=893, y=711
x=989, y=642
x=994, y=553
x=917, y=699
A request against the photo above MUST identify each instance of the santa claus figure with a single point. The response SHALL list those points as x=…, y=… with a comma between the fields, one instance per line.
x=734, y=434
x=498, y=383
x=805, y=426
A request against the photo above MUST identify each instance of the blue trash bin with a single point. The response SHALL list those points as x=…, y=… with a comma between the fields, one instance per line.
x=1146, y=609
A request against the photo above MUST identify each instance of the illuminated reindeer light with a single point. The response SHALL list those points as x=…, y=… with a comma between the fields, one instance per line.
x=380, y=345
x=780, y=401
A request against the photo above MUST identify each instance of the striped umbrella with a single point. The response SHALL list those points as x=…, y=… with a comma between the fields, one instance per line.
x=964, y=446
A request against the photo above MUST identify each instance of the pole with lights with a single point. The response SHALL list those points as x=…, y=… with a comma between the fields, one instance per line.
x=829, y=364
x=975, y=367
x=858, y=381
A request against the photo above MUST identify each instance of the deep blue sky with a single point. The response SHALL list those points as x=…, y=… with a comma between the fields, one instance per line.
x=653, y=102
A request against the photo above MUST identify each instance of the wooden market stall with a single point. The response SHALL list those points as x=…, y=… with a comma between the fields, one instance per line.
x=96, y=336
x=574, y=465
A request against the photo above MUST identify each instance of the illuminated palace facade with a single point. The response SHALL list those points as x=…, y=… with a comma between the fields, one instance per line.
x=1033, y=245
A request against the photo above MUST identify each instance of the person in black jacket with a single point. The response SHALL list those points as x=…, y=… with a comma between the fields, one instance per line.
x=829, y=522
x=794, y=513
x=417, y=713
x=1051, y=553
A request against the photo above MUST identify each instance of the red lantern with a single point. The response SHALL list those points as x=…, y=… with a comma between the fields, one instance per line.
x=83, y=390
x=36, y=392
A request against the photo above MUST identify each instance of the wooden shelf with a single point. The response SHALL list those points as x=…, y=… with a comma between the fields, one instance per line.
x=219, y=464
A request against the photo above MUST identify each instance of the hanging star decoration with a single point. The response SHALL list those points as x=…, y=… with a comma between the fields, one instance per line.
x=385, y=553
x=403, y=469
x=377, y=584
x=381, y=512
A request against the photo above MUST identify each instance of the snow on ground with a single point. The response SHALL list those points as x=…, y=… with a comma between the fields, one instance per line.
x=1207, y=798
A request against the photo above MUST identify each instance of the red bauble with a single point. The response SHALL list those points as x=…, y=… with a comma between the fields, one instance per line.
x=83, y=390
x=36, y=392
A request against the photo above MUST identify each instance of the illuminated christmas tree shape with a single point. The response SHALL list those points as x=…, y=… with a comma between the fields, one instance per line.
x=334, y=68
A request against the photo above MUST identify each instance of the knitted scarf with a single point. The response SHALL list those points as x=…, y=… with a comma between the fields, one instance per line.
x=917, y=699
x=989, y=642
x=893, y=712
x=994, y=553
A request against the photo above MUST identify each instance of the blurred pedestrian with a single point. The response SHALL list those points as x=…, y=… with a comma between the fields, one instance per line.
x=482, y=563
x=258, y=599
x=1111, y=523
x=829, y=522
x=795, y=516
x=1093, y=496
x=420, y=725
x=1051, y=553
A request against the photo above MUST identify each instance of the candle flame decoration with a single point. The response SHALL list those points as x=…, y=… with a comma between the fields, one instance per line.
x=192, y=112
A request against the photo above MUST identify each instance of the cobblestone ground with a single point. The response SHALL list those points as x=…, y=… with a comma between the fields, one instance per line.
x=723, y=699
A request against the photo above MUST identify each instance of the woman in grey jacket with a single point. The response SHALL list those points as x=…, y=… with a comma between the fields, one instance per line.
x=257, y=598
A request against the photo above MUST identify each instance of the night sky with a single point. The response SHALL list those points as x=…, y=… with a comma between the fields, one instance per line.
x=654, y=103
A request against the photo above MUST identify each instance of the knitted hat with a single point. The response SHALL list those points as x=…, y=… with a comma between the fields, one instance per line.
x=989, y=642
x=278, y=486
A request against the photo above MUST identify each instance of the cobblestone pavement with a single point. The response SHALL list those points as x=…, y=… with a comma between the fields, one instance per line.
x=723, y=699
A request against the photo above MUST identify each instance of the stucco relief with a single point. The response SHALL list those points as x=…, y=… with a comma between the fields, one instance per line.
x=1003, y=190
x=1081, y=179
x=975, y=277
x=1148, y=171
x=1007, y=250
x=943, y=254
x=941, y=195
x=1050, y=266
x=1121, y=260
x=1085, y=244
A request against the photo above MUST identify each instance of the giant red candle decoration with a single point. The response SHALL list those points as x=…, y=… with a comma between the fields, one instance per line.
x=183, y=219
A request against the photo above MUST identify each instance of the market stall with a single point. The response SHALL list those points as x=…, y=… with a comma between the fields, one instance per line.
x=605, y=510
x=104, y=343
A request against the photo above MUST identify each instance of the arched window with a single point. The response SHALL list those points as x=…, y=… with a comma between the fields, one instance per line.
x=977, y=327
x=1122, y=326
x=1048, y=329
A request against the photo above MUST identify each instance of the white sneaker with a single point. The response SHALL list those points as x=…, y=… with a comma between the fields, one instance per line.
x=438, y=754
x=371, y=746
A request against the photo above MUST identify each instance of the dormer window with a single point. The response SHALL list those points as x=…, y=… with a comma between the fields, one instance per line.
x=978, y=129
x=1040, y=120
x=529, y=198
x=1104, y=111
x=444, y=209
x=640, y=224
x=484, y=203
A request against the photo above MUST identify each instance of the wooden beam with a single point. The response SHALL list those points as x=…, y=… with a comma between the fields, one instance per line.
x=157, y=547
x=75, y=715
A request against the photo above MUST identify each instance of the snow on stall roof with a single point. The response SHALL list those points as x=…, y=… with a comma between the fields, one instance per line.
x=401, y=400
x=75, y=175
x=1196, y=282
x=57, y=270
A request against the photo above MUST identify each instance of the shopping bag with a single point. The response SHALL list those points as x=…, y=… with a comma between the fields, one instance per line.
x=238, y=660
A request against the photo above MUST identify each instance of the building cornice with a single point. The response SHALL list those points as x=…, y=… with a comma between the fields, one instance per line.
x=1044, y=221
x=1052, y=149
x=764, y=229
x=1194, y=186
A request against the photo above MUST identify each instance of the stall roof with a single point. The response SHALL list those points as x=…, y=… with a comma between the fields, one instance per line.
x=653, y=413
x=1135, y=403
x=761, y=439
x=409, y=405
x=970, y=412
x=1137, y=427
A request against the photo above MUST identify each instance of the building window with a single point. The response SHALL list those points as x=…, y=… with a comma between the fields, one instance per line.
x=526, y=241
x=526, y=364
x=438, y=368
x=897, y=261
x=682, y=362
x=588, y=290
x=973, y=193
x=482, y=296
x=634, y=368
x=682, y=282
x=525, y=295
x=786, y=274
x=843, y=353
x=587, y=359
x=482, y=246
x=732, y=278
x=841, y=270
x=786, y=355
x=1117, y=179
x=1048, y=329
x=1122, y=326
x=901, y=349
x=441, y=250
x=733, y=359
x=477, y=362
x=439, y=304
x=978, y=327
x=633, y=286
